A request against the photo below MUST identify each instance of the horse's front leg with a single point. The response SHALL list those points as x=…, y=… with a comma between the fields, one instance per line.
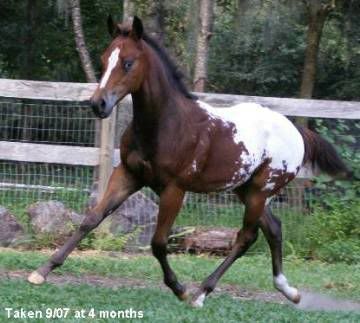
x=171, y=199
x=121, y=185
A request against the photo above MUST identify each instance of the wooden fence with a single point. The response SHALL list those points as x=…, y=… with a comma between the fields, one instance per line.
x=106, y=155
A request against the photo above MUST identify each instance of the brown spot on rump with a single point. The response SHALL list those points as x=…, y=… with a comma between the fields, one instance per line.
x=279, y=178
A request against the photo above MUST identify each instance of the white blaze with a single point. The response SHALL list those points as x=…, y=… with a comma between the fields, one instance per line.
x=113, y=59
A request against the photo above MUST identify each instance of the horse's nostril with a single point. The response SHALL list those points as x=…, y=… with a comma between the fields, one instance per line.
x=102, y=104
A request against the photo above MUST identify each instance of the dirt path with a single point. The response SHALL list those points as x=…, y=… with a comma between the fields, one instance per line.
x=117, y=282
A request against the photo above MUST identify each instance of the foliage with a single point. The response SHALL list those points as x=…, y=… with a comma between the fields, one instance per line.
x=104, y=240
x=265, y=56
x=266, y=44
x=335, y=234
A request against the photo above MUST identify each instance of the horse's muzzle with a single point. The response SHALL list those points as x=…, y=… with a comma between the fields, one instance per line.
x=99, y=108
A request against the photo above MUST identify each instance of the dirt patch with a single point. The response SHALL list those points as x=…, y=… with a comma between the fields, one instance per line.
x=117, y=282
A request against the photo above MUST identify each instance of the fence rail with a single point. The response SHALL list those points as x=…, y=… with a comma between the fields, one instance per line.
x=81, y=92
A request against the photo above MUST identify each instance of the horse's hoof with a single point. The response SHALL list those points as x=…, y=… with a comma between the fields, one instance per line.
x=184, y=296
x=296, y=299
x=198, y=301
x=35, y=278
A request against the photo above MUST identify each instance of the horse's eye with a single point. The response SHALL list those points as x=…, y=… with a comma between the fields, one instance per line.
x=127, y=65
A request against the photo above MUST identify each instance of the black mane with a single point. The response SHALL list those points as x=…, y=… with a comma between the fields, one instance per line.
x=174, y=74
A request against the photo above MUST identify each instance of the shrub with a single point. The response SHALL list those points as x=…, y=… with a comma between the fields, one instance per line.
x=334, y=234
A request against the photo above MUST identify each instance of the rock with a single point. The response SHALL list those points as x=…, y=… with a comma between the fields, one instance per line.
x=10, y=230
x=214, y=240
x=53, y=217
x=137, y=214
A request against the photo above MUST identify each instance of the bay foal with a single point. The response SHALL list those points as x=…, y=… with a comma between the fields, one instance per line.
x=176, y=143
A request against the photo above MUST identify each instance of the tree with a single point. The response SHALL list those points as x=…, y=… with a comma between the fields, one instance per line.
x=206, y=17
x=128, y=9
x=153, y=20
x=317, y=12
x=31, y=10
x=80, y=41
x=242, y=6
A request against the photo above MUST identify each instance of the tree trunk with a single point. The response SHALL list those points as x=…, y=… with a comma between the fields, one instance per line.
x=153, y=20
x=80, y=41
x=28, y=73
x=317, y=14
x=31, y=8
x=87, y=68
x=205, y=16
x=242, y=6
x=128, y=9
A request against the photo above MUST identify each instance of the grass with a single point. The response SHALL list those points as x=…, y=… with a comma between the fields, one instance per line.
x=156, y=305
x=252, y=272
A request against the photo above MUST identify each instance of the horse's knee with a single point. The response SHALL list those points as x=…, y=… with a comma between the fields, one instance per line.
x=245, y=239
x=91, y=221
x=248, y=237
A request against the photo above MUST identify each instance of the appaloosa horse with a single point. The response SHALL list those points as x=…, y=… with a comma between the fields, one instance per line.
x=176, y=143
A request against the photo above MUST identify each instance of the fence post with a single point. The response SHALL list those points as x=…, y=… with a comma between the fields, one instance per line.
x=107, y=138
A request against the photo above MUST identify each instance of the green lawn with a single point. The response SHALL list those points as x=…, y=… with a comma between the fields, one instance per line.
x=252, y=272
x=156, y=305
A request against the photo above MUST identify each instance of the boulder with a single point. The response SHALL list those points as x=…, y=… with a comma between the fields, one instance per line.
x=52, y=217
x=137, y=214
x=135, y=218
x=11, y=231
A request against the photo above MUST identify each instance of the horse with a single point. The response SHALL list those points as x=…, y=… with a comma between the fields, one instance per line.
x=176, y=143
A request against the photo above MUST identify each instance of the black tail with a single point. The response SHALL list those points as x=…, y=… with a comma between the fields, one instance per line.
x=319, y=152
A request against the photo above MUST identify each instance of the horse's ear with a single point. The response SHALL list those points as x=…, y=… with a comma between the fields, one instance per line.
x=137, y=28
x=111, y=26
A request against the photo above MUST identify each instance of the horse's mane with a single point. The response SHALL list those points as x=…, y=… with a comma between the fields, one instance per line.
x=174, y=74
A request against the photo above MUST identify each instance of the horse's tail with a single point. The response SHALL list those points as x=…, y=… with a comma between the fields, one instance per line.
x=321, y=155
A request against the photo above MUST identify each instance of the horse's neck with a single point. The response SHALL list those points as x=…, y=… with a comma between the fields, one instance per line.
x=154, y=105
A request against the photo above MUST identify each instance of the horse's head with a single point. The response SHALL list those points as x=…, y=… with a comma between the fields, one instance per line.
x=123, y=64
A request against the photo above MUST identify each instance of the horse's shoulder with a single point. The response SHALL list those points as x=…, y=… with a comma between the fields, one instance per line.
x=127, y=142
x=133, y=158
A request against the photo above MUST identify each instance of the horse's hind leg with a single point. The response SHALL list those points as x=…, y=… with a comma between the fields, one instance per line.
x=121, y=185
x=171, y=199
x=271, y=227
x=254, y=207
